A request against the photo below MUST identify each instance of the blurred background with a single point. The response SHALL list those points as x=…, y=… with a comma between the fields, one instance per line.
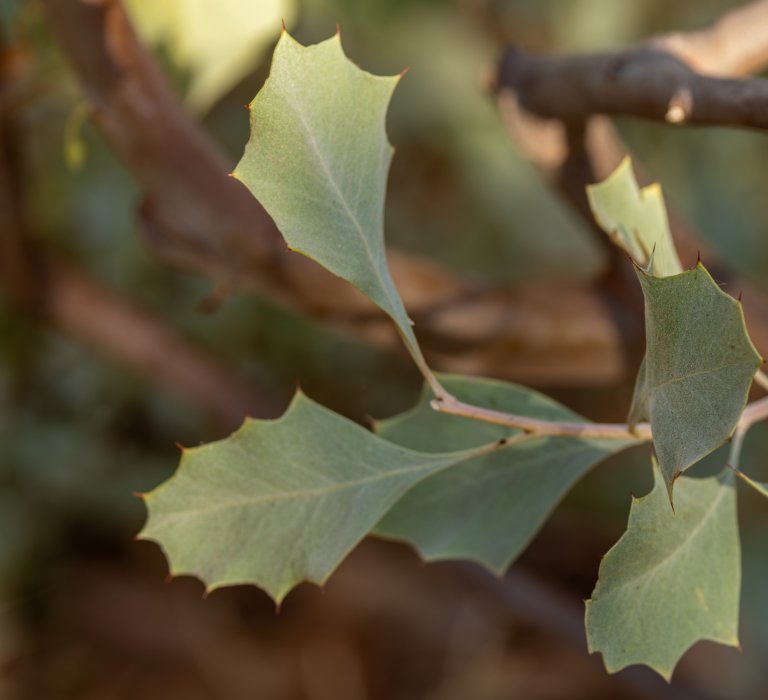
x=85, y=611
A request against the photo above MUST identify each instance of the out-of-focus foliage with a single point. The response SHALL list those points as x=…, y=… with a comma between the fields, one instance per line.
x=218, y=46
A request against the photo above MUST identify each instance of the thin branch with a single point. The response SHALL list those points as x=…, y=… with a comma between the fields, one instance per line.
x=643, y=82
x=147, y=346
x=761, y=379
x=753, y=413
x=736, y=44
x=534, y=426
x=86, y=311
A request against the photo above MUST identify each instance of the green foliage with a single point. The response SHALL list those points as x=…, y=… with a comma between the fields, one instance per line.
x=488, y=508
x=318, y=160
x=697, y=371
x=693, y=383
x=671, y=580
x=280, y=502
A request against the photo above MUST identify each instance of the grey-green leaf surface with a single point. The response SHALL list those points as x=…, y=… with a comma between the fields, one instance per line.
x=636, y=220
x=487, y=508
x=280, y=502
x=671, y=580
x=318, y=160
x=697, y=371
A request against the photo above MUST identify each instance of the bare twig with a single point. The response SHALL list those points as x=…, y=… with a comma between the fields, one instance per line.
x=534, y=426
x=753, y=413
x=736, y=44
x=761, y=379
x=643, y=82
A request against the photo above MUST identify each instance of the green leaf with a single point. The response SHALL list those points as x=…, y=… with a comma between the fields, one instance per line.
x=218, y=46
x=636, y=220
x=279, y=502
x=487, y=508
x=671, y=580
x=697, y=371
x=692, y=385
x=318, y=159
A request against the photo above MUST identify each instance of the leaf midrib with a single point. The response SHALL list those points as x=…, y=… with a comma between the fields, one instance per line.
x=290, y=97
x=672, y=552
x=307, y=493
x=698, y=373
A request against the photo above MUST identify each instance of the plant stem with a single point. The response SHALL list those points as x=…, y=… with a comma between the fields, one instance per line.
x=761, y=378
x=534, y=426
x=754, y=412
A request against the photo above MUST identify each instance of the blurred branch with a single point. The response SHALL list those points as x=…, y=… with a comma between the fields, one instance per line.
x=736, y=44
x=16, y=257
x=150, y=348
x=89, y=313
x=555, y=109
x=645, y=82
x=197, y=218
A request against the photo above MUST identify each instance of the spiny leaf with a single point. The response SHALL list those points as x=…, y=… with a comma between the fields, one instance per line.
x=636, y=220
x=487, y=508
x=693, y=382
x=283, y=501
x=671, y=580
x=218, y=46
x=697, y=371
x=318, y=159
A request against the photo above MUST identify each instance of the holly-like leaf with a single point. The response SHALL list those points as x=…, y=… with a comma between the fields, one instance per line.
x=282, y=501
x=697, y=371
x=218, y=47
x=318, y=160
x=693, y=382
x=636, y=220
x=671, y=580
x=490, y=507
